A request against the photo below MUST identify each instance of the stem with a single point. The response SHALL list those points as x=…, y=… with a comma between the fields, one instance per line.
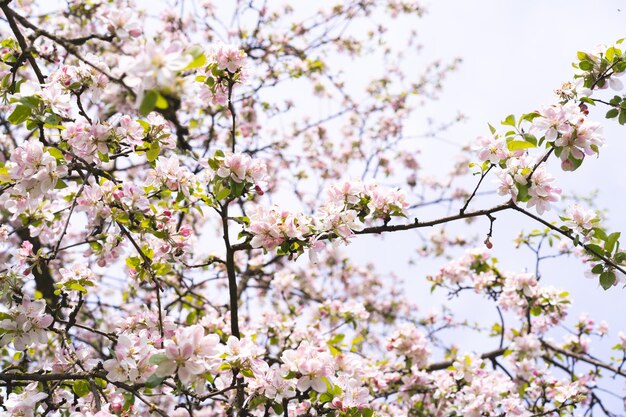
x=232, y=276
x=233, y=114
x=482, y=177
x=569, y=236
x=10, y=14
x=446, y=364
x=147, y=263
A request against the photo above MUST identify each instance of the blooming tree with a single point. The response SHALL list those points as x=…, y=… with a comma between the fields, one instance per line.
x=153, y=261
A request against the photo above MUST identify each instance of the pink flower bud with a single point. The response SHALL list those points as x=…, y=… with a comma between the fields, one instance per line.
x=567, y=165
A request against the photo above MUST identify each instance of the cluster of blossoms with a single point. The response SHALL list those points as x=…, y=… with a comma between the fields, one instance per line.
x=411, y=343
x=473, y=391
x=77, y=78
x=174, y=239
x=581, y=221
x=92, y=141
x=225, y=69
x=25, y=403
x=86, y=140
x=53, y=98
x=273, y=228
x=313, y=366
x=520, y=293
x=565, y=130
x=228, y=57
x=571, y=133
x=471, y=267
x=170, y=174
x=350, y=206
x=349, y=311
x=25, y=324
x=131, y=361
x=34, y=170
x=124, y=24
x=467, y=387
x=537, y=190
x=189, y=354
x=234, y=174
x=77, y=277
x=195, y=357
x=368, y=199
x=525, y=349
x=156, y=66
x=96, y=200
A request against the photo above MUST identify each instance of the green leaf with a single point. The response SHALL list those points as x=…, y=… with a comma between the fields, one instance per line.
x=326, y=397
x=585, y=65
x=129, y=400
x=509, y=121
x=19, y=115
x=529, y=116
x=610, y=54
x=161, y=102
x=153, y=152
x=588, y=100
x=104, y=157
x=522, y=192
x=622, y=117
x=530, y=138
x=610, y=241
x=612, y=113
x=516, y=145
x=81, y=388
x=595, y=248
x=77, y=287
x=133, y=262
x=607, y=279
x=223, y=193
x=278, y=408
x=576, y=163
x=60, y=185
x=144, y=124
x=191, y=317
x=149, y=102
x=158, y=358
x=161, y=268
x=213, y=164
x=198, y=61
x=56, y=153
x=238, y=188
x=100, y=382
x=154, y=381
x=599, y=233
x=598, y=269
